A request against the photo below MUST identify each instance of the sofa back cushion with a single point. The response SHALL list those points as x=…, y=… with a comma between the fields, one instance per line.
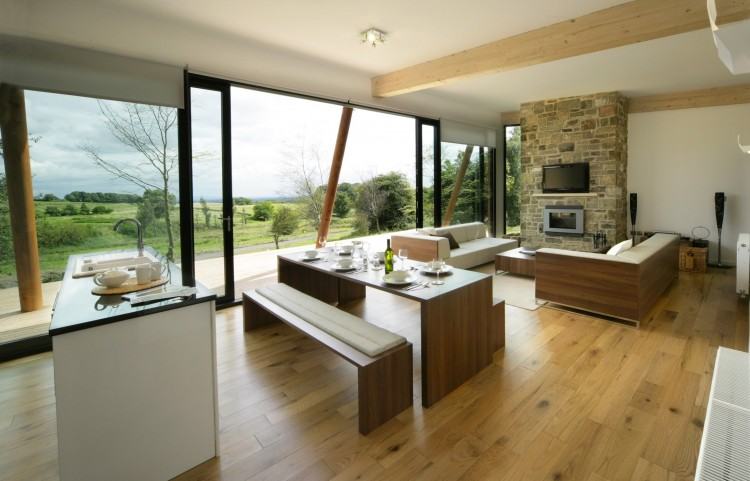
x=647, y=248
x=620, y=248
x=464, y=232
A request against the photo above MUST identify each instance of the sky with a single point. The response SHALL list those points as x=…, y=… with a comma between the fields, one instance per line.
x=271, y=136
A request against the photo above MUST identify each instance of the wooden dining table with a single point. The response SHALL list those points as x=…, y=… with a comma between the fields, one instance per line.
x=462, y=325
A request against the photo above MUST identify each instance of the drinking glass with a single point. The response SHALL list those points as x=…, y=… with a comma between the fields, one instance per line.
x=403, y=255
x=440, y=263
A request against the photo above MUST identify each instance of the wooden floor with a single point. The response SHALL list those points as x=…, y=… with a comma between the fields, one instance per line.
x=571, y=398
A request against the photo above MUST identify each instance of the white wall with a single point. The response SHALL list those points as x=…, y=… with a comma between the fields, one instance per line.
x=677, y=159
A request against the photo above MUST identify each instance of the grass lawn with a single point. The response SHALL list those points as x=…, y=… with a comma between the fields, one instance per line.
x=249, y=235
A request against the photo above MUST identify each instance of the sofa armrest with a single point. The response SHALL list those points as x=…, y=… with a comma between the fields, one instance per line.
x=421, y=247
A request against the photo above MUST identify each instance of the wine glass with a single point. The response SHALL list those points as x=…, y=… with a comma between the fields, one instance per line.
x=403, y=255
x=438, y=263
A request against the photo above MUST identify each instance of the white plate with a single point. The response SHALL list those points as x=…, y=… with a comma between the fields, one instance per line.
x=389, y=280
x=308, y=259
x=340, y=268
x=429, y=270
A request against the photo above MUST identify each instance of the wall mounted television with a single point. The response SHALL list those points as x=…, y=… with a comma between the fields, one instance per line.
x=565, y=178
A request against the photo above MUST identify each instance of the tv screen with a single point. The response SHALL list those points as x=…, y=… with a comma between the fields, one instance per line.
x=561, y=178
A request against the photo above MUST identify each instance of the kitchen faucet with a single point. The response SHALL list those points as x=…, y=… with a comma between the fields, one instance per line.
x=139, y=230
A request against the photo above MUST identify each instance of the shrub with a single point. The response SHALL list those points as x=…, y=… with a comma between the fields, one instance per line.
x=69, y=209
x=52, y=211
x=263, y=211
x=84, y=209
x=100, y=209
x=63, y=233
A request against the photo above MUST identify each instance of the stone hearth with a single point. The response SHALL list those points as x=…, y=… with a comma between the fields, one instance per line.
x=593, y=129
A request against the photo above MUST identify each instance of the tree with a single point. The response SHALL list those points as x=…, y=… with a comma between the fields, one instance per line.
x=100, y=209
x=6, y=246
x=84, y=209
x=69, y=209
x=345, y=195
x=145, y=213
x=147, y=129
x=263, y=210
x=206, y=212
x=285, y=222
x=47, y=198
x=388, y=202
x=242, y=201
x=306, y=176
x=52, y=211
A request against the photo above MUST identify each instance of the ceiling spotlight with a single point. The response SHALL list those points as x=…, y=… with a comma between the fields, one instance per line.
x=373, y=36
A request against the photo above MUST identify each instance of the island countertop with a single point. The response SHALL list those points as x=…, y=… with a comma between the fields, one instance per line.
x=76, y=308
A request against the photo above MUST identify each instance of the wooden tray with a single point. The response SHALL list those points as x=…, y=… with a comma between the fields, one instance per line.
x=128, y=286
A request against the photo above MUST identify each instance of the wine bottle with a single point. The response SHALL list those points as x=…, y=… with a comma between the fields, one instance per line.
x=388, y=257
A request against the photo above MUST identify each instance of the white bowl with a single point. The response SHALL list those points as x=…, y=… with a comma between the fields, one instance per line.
x=311, y=254
x=345, y=263
x=347, y=249
x=399, y=276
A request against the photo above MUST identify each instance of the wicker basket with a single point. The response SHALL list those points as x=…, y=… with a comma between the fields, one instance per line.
x=693, y=259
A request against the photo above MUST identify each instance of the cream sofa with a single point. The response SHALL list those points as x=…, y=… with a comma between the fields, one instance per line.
x=626, y=285
x=475, y=247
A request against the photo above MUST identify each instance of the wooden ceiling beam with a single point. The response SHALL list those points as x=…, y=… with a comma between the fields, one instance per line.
x=624, y=24
x=736, y=94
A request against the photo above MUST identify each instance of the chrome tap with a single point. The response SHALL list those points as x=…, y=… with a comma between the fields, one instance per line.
x=139, y=231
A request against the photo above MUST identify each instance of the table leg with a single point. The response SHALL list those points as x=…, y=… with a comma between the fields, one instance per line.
x=351, y=291
x=313, y=283
x=458, y=338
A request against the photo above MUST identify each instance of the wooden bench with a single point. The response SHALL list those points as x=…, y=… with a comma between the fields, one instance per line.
x=385, y=385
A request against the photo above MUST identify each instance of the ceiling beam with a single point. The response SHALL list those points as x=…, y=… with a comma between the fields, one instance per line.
x=738, y=94
x=511, y=118
x=624, y=24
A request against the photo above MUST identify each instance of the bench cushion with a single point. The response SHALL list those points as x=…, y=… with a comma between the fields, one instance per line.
x=361, y=335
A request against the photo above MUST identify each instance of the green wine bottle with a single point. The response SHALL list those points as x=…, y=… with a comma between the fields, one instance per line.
x=388, y=258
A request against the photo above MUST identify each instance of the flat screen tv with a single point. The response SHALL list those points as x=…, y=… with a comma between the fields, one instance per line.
x=565, y=178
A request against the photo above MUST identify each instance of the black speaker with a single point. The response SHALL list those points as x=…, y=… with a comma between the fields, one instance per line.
x=719, y=201
x=633, y=214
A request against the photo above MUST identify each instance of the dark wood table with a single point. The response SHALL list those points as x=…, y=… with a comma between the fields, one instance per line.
x=516, y=262
x=461, y=324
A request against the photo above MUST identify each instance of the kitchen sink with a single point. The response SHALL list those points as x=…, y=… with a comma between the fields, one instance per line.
x=91, y=265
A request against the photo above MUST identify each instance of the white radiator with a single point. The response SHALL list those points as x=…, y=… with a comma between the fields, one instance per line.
x=725, y=447
x=743, y=264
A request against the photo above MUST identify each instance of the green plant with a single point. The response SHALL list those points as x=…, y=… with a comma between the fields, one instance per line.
x=100, y=209
x=63, y=233
x=285, y=222
x=69, y=210
x=52, y=211
x=263, y=210
x=84, y=209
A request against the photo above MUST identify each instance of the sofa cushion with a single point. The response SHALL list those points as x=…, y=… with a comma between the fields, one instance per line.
x=464, y=232
x=361, y=335
x=479, y=251
x=621, y=247
x=647, y=248
x=452, y=242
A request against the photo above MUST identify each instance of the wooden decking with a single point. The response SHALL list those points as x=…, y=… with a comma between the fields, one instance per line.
x=571, y=397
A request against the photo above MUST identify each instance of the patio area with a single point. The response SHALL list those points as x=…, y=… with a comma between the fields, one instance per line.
x=252, y=270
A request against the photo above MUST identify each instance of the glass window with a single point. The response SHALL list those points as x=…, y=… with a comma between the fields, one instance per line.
x=93, y=162
x=466, y=183
x=513, y=179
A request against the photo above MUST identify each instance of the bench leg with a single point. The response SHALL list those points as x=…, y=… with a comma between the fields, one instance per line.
x=385, y=389
x=255, y=316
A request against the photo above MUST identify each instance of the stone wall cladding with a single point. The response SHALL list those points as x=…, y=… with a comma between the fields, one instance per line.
x=593, y=129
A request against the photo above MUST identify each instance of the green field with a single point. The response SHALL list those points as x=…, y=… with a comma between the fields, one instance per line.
x=96, y=234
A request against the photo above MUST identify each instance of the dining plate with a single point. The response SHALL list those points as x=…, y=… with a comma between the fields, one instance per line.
x=391, y=281
x=339, y=268
x=310, y=259
x=429, y=270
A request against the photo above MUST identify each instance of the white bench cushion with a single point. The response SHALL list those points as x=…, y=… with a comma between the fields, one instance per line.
x=361, y=335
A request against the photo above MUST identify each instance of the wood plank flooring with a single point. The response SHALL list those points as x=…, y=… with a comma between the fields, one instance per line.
x=571, y=397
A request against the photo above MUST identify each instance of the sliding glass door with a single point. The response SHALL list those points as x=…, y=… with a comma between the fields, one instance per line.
x=211, y=189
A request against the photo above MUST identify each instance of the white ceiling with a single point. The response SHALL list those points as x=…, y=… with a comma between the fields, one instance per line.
x=313, y=46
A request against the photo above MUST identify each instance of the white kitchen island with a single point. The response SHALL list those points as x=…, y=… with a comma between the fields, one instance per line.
x=135, y=386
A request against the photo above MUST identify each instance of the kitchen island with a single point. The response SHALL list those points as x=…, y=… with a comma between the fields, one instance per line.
x=135, y=386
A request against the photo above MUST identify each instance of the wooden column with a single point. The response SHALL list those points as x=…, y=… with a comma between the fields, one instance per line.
x=20, y=196
x=333, y=177
x=457, y=185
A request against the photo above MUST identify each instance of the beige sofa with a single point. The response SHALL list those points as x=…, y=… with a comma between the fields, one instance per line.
x=475, y=247
x=626, y=285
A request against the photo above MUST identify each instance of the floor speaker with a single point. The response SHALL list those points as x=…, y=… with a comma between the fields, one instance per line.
x=719, y=201
x=633, y=214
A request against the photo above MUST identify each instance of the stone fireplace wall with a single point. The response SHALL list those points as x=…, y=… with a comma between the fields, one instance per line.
x=593, y=129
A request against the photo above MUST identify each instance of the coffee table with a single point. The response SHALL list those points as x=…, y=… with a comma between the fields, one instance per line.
x=515, y=262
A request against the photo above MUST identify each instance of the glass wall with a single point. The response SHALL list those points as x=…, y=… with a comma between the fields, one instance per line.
x=513, y=179
x=466, y=178
x=428, y=175
x=93, y=162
